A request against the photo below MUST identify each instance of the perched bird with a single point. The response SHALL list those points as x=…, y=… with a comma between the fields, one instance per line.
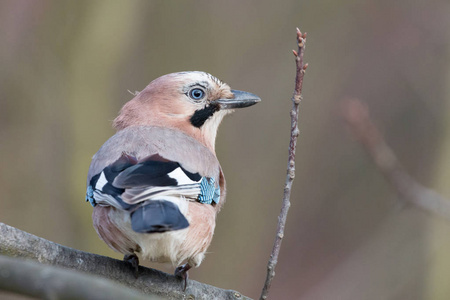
x=156, y=185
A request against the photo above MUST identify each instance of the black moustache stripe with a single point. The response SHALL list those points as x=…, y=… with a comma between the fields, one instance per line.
x=200, y=116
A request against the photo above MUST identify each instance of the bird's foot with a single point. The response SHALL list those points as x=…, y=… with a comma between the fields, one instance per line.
x=182, y=272
x=134, y=261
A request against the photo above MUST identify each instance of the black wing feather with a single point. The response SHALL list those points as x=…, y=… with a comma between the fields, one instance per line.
x=148, y=173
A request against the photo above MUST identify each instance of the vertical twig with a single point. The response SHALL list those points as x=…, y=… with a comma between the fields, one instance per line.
x=296, y=98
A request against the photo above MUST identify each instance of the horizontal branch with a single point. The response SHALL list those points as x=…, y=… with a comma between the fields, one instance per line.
x=48, y=282
x=17, y=243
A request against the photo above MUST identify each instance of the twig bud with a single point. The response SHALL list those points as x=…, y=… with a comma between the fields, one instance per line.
x=296, y=99
x=292, y=174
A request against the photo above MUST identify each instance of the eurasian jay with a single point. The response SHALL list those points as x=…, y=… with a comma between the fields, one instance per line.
x=156, y=185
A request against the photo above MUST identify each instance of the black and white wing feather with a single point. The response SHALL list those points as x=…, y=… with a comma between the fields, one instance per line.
x=128, y=182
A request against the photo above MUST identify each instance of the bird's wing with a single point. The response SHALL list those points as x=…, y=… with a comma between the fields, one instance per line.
x=131, y=180
x=128, y=182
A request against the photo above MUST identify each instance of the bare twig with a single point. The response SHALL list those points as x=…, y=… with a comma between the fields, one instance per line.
x=47, y=282
x=366, y=133
x=17, y=243
x=296, y=98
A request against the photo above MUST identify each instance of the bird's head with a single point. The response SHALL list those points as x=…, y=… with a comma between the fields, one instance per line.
x=193, y=102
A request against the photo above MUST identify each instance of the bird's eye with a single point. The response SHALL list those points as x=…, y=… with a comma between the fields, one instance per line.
x=196, y=94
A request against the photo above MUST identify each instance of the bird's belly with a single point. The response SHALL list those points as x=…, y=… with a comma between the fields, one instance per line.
x=163, y=247
x=189, y=244
x=158, y=247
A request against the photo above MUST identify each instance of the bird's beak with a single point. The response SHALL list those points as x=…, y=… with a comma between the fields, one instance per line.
x=241, y=99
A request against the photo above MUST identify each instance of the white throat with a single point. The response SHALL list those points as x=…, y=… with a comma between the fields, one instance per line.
x=209, y=129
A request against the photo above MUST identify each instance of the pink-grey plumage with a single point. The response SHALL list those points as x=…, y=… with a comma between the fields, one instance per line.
x=161, y=167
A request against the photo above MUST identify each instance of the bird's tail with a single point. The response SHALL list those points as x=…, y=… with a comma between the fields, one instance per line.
x=158, y=216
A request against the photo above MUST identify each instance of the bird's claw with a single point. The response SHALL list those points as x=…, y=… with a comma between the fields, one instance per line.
x=134, y=261
x=182, y=272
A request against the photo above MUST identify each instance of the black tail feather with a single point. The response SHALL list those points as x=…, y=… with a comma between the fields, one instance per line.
x=158, y=216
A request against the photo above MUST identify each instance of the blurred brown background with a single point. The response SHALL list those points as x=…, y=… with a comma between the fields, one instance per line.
x=66, y=66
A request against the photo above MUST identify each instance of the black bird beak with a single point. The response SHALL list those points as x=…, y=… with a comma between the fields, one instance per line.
x=241, y=99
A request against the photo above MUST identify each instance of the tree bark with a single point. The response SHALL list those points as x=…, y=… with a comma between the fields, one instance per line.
x=17, y=243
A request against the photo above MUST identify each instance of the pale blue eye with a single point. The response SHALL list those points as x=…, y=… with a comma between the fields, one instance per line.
x=196, y=94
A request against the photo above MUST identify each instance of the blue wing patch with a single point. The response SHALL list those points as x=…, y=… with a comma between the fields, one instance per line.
x=90, y=196
x=208, y=191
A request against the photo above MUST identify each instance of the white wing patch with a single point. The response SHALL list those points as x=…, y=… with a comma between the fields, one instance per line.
x=101, y=182
x=181, y=177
